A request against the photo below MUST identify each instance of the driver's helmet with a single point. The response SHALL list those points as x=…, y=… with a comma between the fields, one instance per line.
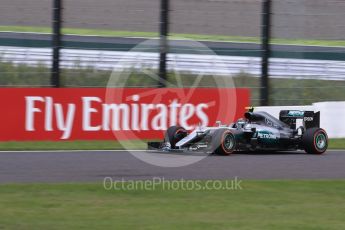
x=240, y=123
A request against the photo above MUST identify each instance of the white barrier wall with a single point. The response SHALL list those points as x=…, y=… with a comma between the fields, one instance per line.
x=220, y=65
x=332, y=117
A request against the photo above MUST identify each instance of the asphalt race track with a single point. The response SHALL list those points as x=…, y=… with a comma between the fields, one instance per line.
x=94, y=166
x=295, y=19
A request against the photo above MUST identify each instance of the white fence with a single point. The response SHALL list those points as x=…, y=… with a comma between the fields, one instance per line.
x=207, y=64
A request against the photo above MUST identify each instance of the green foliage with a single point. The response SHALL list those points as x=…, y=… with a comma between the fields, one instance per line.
x=282, y=91
x=23, y=75
x=293, y=91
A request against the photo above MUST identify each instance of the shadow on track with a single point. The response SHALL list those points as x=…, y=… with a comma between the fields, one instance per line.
x=185, y=153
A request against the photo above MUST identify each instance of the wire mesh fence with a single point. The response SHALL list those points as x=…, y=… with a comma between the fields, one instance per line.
x=306, y=64
x=308, y=19
x=120, y=15
x=231, y=18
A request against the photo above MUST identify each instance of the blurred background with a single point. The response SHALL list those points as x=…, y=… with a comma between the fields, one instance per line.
x=76, y=43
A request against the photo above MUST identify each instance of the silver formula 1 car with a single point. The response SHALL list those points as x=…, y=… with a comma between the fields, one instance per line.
x=257, y=131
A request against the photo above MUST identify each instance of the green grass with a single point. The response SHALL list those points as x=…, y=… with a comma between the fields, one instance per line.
x=337, y=143
x=115, y=33
x=100, y=145
x=71, y=145
x=269, y=205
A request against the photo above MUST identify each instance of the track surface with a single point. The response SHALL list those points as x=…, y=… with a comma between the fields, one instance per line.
x=309, y=19
x=94, y=166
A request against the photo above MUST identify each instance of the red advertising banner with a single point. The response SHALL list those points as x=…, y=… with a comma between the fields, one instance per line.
x=116, y=113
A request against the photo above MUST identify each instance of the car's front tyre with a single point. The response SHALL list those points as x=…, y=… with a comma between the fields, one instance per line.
x=223, y=142
x=174, y=134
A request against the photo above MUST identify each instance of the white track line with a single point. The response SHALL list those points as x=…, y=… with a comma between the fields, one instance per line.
x=65, y=151
x=115, y=150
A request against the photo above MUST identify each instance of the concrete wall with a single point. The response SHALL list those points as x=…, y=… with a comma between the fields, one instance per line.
x=332, y=115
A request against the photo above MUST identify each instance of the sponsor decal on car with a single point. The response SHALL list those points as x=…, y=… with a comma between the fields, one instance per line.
x=308, y=118
x=267, y=135
x=295, y=113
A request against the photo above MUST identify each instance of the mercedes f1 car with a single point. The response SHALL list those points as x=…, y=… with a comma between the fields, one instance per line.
x=257, y=131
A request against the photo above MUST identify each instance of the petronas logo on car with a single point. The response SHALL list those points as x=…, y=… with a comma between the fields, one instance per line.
x=266, y=135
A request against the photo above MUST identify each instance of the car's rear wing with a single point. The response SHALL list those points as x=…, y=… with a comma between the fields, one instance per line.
x=310, y=119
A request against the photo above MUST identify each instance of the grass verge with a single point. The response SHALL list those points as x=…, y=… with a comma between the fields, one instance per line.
x=266, y=205
x=71, y=145
x=337, y=143
x=100, y=145
x=115, y=33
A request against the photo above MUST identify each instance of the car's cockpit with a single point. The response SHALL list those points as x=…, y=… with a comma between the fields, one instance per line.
x=259, y=118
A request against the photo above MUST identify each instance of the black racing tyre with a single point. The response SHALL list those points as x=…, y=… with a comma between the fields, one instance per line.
x=174, y=134
x=315, y=141
x=223, y=142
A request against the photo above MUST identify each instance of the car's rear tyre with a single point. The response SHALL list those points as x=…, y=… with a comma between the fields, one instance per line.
x=174, y=134
x=223, y=142
x=315, y=141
